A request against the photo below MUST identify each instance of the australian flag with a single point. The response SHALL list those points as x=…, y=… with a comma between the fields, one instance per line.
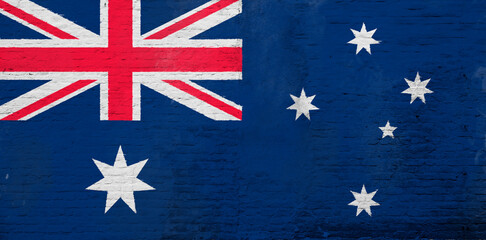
x=242, y=119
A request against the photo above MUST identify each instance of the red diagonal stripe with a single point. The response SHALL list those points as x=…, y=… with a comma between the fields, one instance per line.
x=35, y=21
x=47, y=100
x=181, y=85
x=191, y=19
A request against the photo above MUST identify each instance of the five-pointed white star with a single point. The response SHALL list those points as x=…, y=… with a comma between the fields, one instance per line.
x=417, y=89
x=363, y=201
x=388, y=130
x=120, y=181
x=363, y=39
x=302, y=105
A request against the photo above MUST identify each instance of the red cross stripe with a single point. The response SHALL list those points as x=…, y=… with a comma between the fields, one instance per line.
x=120, y=60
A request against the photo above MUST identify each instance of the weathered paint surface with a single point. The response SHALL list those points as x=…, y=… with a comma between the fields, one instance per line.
x=270, y=176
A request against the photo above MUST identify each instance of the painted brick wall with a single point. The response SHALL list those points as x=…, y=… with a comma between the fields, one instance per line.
x=269, y=176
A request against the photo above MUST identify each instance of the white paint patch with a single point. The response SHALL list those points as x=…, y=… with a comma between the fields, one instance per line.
x=302, y=105
x=387, y=130
x=363, y=201
x=363, y=39
x=120, y=181
x=188, y=76
x=417, y=88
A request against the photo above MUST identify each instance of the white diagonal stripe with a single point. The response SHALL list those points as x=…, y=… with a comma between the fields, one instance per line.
x=192, y=102
x=58, y=80
x=50, y=18
x=201, y=25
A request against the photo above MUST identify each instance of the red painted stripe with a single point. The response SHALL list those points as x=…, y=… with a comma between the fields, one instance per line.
x=191, y=19
x=120, y=25
x=120, y=96
x=206, y=98
x=35, y=21
x=133, y=59
x=47, y=100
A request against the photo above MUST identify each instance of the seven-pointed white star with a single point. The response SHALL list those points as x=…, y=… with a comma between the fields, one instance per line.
x=302, y=105
x=388, y=130
x=363, y=201
x=417, y=89
x=363, y=39
x=120, y=181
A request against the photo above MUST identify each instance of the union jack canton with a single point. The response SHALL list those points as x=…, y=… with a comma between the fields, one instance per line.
x=120, y=59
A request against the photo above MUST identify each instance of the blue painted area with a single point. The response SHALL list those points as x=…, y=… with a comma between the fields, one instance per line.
x=85, y=13
x=270, y=177
x=14, y=30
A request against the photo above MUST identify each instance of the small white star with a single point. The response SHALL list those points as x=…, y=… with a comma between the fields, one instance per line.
x=363, y=201
x=120, y=181
x=417, y=89
x=363, y=39
x=388, y=130
x=302, y=105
